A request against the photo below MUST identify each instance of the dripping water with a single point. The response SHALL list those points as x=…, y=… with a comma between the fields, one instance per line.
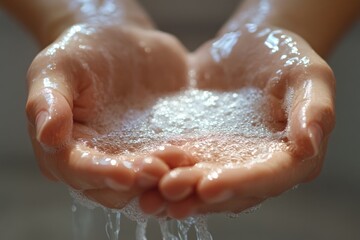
x=86, y=223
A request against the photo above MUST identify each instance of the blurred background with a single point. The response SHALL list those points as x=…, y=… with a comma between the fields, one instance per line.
x=328, y=208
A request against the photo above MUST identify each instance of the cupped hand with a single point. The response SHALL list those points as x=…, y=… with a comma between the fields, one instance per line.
x=296, y=110
x=88, y=72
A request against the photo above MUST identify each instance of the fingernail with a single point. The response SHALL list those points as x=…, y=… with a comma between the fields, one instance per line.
x=146, y=180
x=112, y=184
x=221, y=197
x=41, y=119
x=316, y=136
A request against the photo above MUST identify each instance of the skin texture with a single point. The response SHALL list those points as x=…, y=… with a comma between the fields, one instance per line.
x=321, y=23
x=309, y=121
x=96, y=59
x=70, y=84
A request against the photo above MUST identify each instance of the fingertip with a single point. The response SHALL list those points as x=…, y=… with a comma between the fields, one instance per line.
x=85, y=168
x=110, y=198
x=306, y=141
x=316, y=136
x=175, y=157
x=46, y=172
x=151, y=202
x=179, y=183
x=312, y=118
x=183, y=209
x=117, y=174
x=149, y=171
x=115, y=185
x=213, y=191
x=41, y=119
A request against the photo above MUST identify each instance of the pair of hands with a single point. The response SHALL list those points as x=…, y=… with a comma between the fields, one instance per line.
x=90, y=67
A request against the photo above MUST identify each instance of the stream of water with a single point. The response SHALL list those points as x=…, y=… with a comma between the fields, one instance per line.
x=88, y=226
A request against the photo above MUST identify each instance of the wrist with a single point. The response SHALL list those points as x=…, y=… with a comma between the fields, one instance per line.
x=321, y=23
x=46, y=20
x=95, y=12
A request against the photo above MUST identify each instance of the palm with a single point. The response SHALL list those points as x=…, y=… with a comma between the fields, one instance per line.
x=262, y=155
x=267, y=61
x=101, y=68
x=123, y=70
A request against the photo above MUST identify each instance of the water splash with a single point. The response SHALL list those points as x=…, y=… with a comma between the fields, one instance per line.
x=167, y=229
x=82, y=221
x=184, y=227
x=86, y=222
x=140, y=232
x=202, y=232
x=112, y=226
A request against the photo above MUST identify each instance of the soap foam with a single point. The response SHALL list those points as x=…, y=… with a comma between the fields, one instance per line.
x=230, y=126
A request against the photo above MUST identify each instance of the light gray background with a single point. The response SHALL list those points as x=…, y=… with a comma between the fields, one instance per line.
x=328, y=208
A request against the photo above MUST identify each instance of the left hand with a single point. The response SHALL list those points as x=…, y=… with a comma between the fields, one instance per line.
x=300, y=86
x=89, y=72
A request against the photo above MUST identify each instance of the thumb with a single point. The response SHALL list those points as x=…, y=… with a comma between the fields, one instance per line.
x=49, y=108
x=313, y=117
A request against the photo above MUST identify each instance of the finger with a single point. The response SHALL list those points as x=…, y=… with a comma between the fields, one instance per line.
x=312, y=114
x=175, y=157
x=40, y=155
x=180, y=183
x=260, y=179
x=110, y=198
x=151, y=202
x=149, y=171
x=49, y=104
x=234, y=205
x=85, y=168
x=183, y=208
x=206, y=72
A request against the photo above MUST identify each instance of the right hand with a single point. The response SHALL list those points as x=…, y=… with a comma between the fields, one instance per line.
x=298, y=88
x=87, y=69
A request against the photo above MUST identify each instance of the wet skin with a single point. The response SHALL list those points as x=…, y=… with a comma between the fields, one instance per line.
x=85, y=71
x=287, y=67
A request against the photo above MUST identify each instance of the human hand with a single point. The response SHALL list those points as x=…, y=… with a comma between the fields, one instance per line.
x=297, y=90
x=88, y=70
